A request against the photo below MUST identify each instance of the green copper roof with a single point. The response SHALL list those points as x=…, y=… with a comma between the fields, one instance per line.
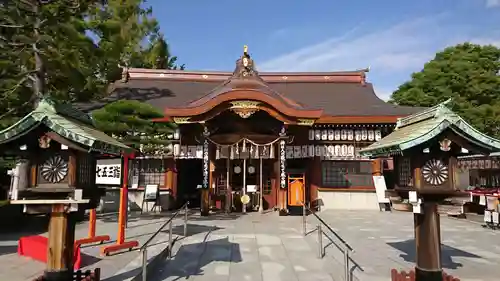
x=68, y=123
x=421, y=127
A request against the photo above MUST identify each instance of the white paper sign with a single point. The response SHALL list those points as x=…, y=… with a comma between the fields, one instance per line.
x=150, y=192
x=482, y=200
x=412, y=197
x=417, y=207
x=251, y=188
x=108, y=171
x=380, y=188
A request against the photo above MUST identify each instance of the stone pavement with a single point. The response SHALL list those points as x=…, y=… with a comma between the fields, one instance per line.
x=16, y=268
x=269, y=247
x=251, y=247
x=385, y=240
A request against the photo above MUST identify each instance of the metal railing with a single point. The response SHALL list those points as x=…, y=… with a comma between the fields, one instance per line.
x=144, y=247
x=347, y=249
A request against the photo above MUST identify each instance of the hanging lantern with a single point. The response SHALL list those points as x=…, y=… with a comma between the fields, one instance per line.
x=217, y=153
x=271, y=151
x=244, y=147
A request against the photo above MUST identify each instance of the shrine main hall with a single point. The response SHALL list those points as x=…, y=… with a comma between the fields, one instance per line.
x=269, y=139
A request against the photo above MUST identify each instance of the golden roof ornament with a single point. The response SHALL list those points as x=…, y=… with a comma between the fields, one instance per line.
x=245, y=49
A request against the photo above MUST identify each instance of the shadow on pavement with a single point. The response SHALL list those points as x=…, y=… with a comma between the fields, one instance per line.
x=8, y=249
x=190, y=259
x=216, y=216
x=447, y=253
x=88, y=260
x=14, y=223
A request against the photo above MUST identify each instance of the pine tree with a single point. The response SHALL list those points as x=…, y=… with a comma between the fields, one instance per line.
x=132, y=123
x=44, y=51
x=157, y=55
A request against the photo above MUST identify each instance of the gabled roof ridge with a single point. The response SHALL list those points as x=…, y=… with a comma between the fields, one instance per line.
x=440, y=109
x=262, y=73
x=245, y=72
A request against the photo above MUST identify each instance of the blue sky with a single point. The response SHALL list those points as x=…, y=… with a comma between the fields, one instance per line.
x=392, y=37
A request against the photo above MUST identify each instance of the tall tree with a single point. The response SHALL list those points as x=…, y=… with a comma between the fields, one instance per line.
x=469, y=74
x=120, y=27
x=43, y=51
x=157, y=55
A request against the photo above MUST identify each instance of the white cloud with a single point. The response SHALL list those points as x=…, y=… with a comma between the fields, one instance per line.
x=492, y=3
x=399, y=47
x=392, y=53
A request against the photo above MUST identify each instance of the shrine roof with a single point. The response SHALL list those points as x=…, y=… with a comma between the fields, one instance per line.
x=421, y=127
x=67, y=122
x=342, y=93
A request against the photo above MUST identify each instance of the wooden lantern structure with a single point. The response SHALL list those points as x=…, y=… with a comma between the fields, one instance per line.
x=425, y=147
x=56, y=146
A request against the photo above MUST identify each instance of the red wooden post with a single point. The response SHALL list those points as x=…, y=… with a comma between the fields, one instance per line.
x=394, y=274
x=122, y=214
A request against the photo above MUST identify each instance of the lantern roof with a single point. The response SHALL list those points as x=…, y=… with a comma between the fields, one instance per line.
x=69, y=123
x=419, y=128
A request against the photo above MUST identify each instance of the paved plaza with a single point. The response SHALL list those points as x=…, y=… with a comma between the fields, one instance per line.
x=386, y=240
x=17, y=268
x=269, y=247
x=251, y=247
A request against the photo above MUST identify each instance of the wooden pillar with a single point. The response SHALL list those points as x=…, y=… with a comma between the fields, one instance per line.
x=314, y=181
x=60, y=250
x=428, y=243
x=211, y=184
x=171, y=177
x=427, y=237
x=122, y=213
x=229, y=197
x=377, y=167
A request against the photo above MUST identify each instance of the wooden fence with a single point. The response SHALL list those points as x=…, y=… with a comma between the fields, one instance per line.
x=79, y=275
x=410, y=276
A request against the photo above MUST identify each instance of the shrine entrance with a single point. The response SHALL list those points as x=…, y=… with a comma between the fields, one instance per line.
x=244, y=165
x=244, y=172
x=240, y=131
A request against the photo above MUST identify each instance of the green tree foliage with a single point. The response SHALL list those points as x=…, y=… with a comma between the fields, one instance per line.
x=467, y=73
x=83, y=45
x=44, y=51
x=157, y=55
x=132, y=123
x=121, y=27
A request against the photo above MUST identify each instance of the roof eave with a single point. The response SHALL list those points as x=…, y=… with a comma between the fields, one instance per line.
x=388, y=150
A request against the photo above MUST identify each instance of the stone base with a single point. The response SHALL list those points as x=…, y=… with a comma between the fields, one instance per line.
x=283, y=212
x=428, y=275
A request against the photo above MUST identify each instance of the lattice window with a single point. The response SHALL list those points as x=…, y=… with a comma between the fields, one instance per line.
x=344, y=174
x=149, y=171
x=404, y=172
x=86, y=169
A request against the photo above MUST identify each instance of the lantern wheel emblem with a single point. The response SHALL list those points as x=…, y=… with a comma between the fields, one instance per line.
x=54, y=169
x=435, y=172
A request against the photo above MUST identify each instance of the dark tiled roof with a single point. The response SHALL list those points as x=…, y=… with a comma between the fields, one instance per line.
x=336, y=99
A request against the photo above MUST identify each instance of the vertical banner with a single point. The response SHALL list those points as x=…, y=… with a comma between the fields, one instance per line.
x=282, y=159
x=205, y=158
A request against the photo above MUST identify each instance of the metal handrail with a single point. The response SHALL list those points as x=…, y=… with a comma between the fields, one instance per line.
x=144, y=247
x=347, y=248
